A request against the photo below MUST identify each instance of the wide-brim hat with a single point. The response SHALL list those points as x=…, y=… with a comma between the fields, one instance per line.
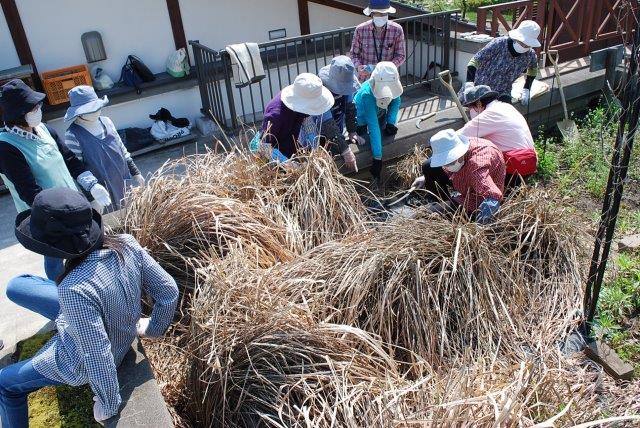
x=84, y=100
x=340, y=76
x=307, y=95
x=386, y=81
x=60, y=224
x=380, y=6
x=447, y=146
x=18, y=99
x=477, y=93
x=527, y=33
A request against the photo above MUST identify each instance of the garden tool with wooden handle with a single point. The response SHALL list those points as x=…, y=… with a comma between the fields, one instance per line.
x=449, y=85
x=567, y=127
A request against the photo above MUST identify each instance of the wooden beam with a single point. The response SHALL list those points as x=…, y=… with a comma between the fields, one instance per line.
x=19, y=37
x=303, y=16
x=175, y=17
x=347, y=7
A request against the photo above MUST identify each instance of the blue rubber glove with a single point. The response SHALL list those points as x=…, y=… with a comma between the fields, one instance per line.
x=487, y=211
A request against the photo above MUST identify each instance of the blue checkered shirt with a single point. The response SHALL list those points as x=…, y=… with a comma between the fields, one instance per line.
x=100, y=304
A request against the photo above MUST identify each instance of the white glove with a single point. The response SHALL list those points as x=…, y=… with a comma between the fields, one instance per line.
x=98, y=411
x=356, y=139
x=139, y=180
x=525, y=96
x=101, y=195
x=350, y=160
x=142, y=325
x=96, y=206
x=418, y=183
x=467, y=85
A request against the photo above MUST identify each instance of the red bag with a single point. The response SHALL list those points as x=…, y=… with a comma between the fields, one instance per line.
x=523, y=162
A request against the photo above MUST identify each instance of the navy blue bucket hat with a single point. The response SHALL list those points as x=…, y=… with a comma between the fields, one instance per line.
x=381, y=6
x=477, y=93
x=60, y=223
x=18, y=99
x=83, y=100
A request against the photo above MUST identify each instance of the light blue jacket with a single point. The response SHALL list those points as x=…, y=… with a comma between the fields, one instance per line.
x=368, y=113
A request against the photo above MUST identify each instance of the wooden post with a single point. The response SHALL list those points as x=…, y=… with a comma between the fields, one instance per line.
x=19, y=37
x=303, y=16
x=175, y=17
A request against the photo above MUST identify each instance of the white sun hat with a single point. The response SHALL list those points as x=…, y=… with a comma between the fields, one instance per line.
x=307, y=95
x=386, y=81
x=447, y=147
x=527, y=33
x=381, y=6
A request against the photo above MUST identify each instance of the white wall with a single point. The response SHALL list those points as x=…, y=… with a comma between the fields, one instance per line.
x=220, y=23
x=324, y=18
x=8, y=55
x=54, y=28
x=182, y=103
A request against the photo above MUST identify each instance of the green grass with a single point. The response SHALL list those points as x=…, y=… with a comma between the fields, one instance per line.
x=61, y=406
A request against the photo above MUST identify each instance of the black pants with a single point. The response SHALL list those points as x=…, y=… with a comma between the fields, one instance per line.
x=436, y=182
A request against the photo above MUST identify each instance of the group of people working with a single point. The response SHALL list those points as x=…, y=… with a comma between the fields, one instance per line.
x=94, y=286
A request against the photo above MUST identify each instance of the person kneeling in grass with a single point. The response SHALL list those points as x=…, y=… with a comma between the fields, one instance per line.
x=96, y=304
x=473, y=167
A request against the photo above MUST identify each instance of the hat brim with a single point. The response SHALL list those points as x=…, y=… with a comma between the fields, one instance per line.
x=91, y=107
x=445, y=158
x=368, y=11
x=12, y=113
x=311, y=107
x=517, y=35
x=387, y=89
x=489, y=94
x=338, y=88
x=24, y=236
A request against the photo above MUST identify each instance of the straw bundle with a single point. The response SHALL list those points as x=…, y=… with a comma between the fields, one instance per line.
x=410, y=166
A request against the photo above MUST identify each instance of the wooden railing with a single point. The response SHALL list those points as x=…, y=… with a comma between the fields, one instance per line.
x=573, y=27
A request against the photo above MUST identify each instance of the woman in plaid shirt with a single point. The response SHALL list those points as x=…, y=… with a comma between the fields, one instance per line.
x=377, y=40
x=96, y=304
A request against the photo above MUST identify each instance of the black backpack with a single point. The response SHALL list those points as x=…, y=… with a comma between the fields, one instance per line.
x=135, y=72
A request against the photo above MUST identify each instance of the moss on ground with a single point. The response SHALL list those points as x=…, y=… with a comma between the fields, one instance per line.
x=56, y=407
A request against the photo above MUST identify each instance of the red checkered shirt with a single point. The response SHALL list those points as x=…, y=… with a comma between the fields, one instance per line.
x=482, y=175
x=363, y=48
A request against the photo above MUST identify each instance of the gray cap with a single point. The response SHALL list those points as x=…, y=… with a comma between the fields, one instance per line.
x=477, y=93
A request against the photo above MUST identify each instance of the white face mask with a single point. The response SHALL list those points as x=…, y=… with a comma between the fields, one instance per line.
x=519, y=48
x=380, y=21
x=91, y=117
x=455, y=166
x=34, y=118
x=383, y=103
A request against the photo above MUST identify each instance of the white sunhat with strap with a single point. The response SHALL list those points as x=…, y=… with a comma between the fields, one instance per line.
x=386, y=81
x=447, y=147
x=307, y=95
x=527, y=33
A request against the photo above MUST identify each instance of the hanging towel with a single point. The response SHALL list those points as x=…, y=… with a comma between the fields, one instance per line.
x=246, y=64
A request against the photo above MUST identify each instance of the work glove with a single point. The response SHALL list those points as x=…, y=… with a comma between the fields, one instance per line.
x=376, y=169
x=96, y=206
x=99, y=413
x=525, y=97
x=362, y=130
x=142, y=325
x=350, y=160
x=487, y=211
x=390, y=129
x=356, y=139
x=101, y=195
x=418, y=183
x=139, y=180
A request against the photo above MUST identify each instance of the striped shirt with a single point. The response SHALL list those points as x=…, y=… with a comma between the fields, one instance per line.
x=100, y=304
x=482, y=175
x=73, y=144
x=389, y=44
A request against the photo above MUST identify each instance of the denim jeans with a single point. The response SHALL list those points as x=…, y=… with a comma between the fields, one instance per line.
x=53, y=267
x=18, y=380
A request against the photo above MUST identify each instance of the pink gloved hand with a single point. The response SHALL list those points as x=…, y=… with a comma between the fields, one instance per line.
x=350, y=160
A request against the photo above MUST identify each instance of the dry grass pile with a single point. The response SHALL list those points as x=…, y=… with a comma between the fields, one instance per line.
x=440, y=289
x=305, y=314
x=410, y=166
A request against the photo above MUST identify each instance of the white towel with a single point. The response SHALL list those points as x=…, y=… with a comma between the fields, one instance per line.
x=246, y=64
